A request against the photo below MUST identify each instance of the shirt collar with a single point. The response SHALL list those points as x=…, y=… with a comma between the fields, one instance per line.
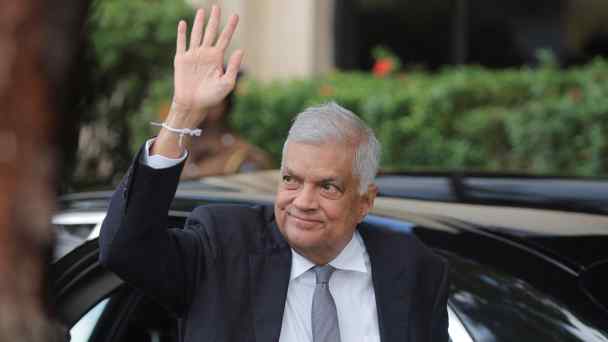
x=351, y=258
x=299, y=265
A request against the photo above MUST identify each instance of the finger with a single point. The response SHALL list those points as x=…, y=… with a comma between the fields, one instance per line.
x=228, y=31
x=197, y=29
x=211, y=30
x=234, y=64
x=181, y=37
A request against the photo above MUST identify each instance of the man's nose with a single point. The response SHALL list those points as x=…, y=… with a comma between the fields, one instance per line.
x=306, y=199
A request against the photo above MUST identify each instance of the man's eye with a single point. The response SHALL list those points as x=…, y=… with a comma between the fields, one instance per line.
x=330, y=189
x=289, y=181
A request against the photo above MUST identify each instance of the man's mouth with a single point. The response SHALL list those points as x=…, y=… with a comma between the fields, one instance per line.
x=304, y=219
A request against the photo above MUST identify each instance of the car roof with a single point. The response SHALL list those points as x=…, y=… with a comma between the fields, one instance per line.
x=522, y=219
x=531, y=226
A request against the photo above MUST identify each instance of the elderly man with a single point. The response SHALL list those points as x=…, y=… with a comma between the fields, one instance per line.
x=305, y=270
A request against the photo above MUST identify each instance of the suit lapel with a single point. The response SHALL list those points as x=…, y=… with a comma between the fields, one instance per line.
x=269, y=278
x=393, y=276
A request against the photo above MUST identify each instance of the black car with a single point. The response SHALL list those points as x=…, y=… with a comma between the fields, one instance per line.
x=517, y=274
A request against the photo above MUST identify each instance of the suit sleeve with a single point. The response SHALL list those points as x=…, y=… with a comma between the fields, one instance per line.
x=439, y=328
x=136, y=244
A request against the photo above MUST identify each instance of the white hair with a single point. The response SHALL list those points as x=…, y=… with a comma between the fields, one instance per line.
x=332, y=123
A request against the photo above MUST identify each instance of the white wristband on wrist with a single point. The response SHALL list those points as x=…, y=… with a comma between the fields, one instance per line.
x=181, y=131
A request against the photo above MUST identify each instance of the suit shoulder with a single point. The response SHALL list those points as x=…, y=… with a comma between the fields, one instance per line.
x=400, y=238
x=230, y=218
x=430, y=267
x=248, y=226
x=233, y=212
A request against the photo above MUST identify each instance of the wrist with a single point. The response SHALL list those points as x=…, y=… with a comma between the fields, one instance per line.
x=184, y=116
x=169, y=144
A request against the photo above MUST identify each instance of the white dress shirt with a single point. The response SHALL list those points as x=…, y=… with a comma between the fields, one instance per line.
x=352, y=289
x=350, y=285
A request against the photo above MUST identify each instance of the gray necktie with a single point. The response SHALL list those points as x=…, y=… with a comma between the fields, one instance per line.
x=324, y=317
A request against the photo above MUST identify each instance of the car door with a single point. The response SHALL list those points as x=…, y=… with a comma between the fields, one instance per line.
x=95, y=305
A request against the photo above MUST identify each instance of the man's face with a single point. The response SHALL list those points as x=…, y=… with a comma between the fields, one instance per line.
x=318, y=204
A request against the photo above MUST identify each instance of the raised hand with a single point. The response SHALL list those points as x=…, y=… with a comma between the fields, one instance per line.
x=200, y=80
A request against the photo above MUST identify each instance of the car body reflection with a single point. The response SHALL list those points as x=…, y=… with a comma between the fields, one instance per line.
x=498, y=307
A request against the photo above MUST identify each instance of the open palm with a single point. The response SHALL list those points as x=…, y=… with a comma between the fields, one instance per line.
x=200, y=80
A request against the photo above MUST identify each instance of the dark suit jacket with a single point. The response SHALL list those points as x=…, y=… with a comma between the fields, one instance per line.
x=226, y=273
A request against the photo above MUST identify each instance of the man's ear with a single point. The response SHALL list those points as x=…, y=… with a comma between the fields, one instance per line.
x=367, y=201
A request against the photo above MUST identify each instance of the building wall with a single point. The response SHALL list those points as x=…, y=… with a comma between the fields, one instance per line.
x=295, y=38
x=282, y=38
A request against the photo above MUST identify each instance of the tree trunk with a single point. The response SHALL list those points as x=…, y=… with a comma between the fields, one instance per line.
x=38, y=43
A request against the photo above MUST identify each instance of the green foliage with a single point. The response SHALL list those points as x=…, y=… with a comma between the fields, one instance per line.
x=129, y=32
x=132, y=44
x=544, y=120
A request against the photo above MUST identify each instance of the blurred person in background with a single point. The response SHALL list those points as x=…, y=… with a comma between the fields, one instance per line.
x=219, y=150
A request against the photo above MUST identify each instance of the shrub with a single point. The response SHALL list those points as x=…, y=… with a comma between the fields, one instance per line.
x=543, y=120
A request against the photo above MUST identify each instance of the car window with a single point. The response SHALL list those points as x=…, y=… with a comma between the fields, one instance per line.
x=456, y=330
x=82, y=330
x=125, y=315
x=494, y=306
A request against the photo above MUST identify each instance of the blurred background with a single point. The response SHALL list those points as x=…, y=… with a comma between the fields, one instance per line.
x=479, y=85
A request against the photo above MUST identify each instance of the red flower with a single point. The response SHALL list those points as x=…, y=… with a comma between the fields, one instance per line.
x=382, y=67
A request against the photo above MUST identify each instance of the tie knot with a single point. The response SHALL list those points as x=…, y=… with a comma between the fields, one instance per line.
x=323, y=273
